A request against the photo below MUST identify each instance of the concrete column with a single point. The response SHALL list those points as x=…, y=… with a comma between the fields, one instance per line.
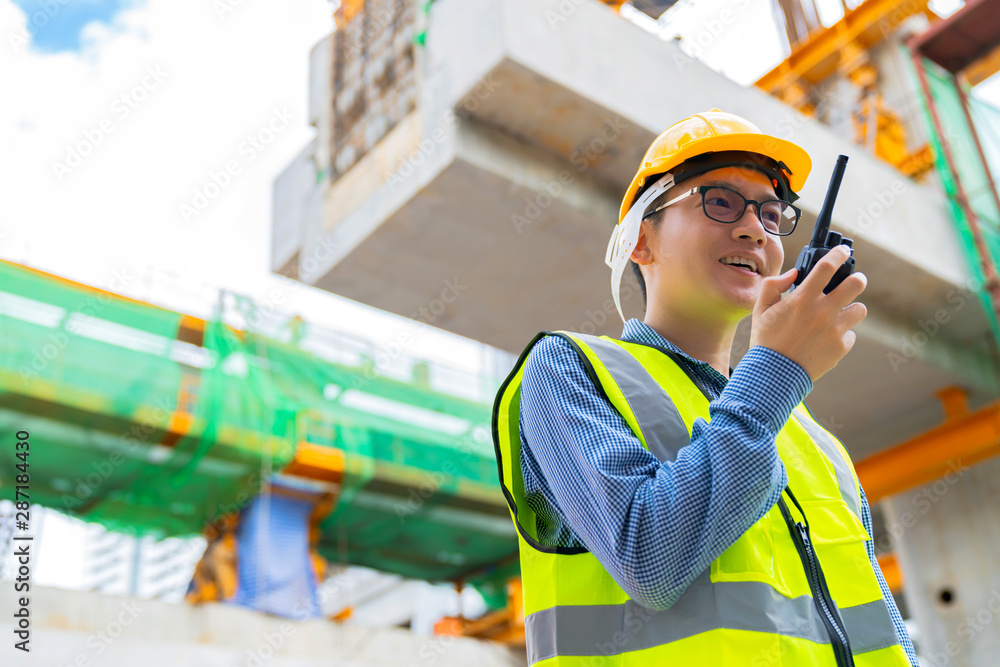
x=947, y=540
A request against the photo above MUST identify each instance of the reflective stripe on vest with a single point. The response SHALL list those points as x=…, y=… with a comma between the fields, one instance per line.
x=739, y=605
x=662, y=427
x=848, y=489
x=754, y=598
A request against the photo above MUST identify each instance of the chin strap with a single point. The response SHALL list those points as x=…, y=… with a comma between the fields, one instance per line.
x=626, y=234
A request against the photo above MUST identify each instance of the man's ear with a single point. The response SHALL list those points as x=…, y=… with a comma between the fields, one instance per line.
x=642, y=254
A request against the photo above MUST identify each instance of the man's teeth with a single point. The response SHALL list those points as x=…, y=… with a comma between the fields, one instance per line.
x=741, y=261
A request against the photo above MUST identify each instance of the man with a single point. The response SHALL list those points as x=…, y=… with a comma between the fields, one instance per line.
x=670, y=509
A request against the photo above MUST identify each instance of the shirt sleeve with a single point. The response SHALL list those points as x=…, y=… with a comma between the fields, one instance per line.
x=656, y=526
x=890, y=602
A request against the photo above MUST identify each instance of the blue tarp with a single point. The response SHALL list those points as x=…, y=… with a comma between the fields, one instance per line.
x=275, y=572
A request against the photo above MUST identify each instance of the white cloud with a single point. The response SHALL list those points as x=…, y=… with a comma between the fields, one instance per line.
x=156, y=138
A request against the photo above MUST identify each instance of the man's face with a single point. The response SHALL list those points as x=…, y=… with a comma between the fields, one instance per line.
x=687, y=272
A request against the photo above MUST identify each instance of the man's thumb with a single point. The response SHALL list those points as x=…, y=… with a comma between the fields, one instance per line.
x=773, y=288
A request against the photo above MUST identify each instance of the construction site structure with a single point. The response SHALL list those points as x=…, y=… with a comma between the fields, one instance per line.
x=468, y=166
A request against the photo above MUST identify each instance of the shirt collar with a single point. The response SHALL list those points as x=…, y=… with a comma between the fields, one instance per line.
x=639, y=332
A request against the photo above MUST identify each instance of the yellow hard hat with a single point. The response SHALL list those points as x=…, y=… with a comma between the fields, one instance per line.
x=716, y=131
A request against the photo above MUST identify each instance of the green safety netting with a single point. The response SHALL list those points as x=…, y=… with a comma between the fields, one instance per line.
x=96, y=380
x=974, y=179
x=148, y=426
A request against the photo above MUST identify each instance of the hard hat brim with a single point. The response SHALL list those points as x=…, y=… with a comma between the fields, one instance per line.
x=792, y=156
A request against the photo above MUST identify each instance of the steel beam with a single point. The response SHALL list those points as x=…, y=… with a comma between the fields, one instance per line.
x=964, y=439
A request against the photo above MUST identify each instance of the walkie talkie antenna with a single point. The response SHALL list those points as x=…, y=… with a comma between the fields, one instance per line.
x=823, y=240
x=826, y=213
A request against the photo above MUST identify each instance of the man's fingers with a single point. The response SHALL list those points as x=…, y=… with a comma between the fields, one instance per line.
x=853, y=314
x=849, y=339
x=850, y=289
x=786, y=279
x=772, y=289
x=821, y=274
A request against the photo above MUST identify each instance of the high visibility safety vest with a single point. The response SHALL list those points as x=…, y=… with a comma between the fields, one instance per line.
x=797, y=588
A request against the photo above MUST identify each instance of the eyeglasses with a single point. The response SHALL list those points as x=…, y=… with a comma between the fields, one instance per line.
x=726, y=205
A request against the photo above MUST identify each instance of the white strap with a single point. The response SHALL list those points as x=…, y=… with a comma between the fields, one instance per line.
x=626, y=234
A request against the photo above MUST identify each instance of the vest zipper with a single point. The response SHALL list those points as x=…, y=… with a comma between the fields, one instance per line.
x=817, y=584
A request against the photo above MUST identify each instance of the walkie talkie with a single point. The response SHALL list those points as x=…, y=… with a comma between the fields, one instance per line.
x=823, y=240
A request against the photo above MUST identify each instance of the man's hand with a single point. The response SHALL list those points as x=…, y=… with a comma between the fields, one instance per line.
x=810, y=328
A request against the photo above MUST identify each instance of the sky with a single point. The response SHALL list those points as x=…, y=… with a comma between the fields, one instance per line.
x=61, y=30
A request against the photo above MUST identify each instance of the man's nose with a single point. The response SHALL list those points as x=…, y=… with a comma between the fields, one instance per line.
x=750, y=226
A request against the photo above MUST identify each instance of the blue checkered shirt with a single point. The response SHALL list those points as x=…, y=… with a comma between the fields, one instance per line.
x=656, y=526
